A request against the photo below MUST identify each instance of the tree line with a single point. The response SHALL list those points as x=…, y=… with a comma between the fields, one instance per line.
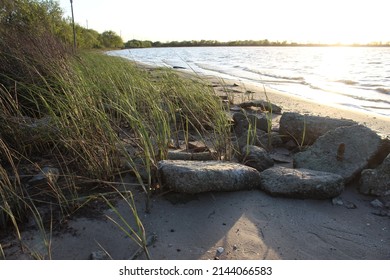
x=244, y=43
x=203, y=43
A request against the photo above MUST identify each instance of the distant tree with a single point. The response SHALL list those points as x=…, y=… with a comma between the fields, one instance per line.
x=133, y=44
x=109, y=39
x=147, y=44
x=87, y=38
x=157, y=44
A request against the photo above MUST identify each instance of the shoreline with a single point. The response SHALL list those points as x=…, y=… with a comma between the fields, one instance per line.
x=292, y=103
x=239, y=225
x=359, y=105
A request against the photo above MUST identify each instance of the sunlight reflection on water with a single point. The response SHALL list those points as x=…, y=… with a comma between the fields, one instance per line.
x=355, y=77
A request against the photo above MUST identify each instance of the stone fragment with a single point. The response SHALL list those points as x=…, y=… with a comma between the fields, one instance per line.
x=301, y=183
x=203, y=176
x=350, y=205
x=99, y=256
x=220, y=250
x=338, y=201
x=376, y=203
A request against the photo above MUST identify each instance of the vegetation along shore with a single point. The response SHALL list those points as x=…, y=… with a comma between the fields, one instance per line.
x=96, y=151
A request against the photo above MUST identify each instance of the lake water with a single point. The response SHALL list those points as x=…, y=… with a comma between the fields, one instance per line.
x=353, y=77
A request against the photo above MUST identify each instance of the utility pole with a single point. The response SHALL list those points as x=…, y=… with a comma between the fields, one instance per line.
x=74, y=30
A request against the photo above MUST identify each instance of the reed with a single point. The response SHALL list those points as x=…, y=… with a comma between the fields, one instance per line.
x=91, y=114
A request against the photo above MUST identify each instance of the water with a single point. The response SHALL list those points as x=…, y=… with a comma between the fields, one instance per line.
x=354, y=77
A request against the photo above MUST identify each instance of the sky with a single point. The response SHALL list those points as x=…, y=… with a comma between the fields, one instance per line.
x=303, y=21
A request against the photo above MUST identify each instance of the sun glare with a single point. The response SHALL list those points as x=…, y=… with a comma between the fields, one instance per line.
x=334, y=62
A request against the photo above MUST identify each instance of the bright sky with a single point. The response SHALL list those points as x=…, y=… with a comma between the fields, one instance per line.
x=314, y=21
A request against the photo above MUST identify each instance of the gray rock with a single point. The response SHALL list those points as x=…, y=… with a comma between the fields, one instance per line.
x=376, y=181
x=350, y=205
x=376, y=203
x=256, y=157
x=338, y=201
x=48, y=175
x=183, y=155
x=220, y=250
x=260, y=138
x=301, y=183
x=307, y=127
x=281, y=155
x=243, y=122
x=263, y=105
x=345, y=151
x=203, y=176
x=99, y=256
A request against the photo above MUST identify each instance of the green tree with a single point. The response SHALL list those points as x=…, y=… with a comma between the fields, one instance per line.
x=31, y=35
x=87, y=38
x=37, y=15
x=109, y=39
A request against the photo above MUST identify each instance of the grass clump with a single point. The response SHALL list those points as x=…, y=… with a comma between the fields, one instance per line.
x=94, y=118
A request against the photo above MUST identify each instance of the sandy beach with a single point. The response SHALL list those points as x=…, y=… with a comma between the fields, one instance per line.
x=235, y=225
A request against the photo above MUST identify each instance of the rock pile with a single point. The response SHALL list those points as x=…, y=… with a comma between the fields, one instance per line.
x=332, y=153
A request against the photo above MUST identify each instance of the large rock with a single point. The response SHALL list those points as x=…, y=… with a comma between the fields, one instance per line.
x=308, y=128
x=301, y=183
x=256, y=157
x=376, y=181
x=204, y=176
x=243, y=122
x=345, y=151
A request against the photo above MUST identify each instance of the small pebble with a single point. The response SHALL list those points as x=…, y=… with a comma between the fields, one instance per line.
x=220, y=250
x=99, y=255
x=337, y=201
x=376, y=203
x=350, y=205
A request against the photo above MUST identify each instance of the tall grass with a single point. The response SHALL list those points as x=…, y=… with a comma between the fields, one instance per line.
x=91, y=114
